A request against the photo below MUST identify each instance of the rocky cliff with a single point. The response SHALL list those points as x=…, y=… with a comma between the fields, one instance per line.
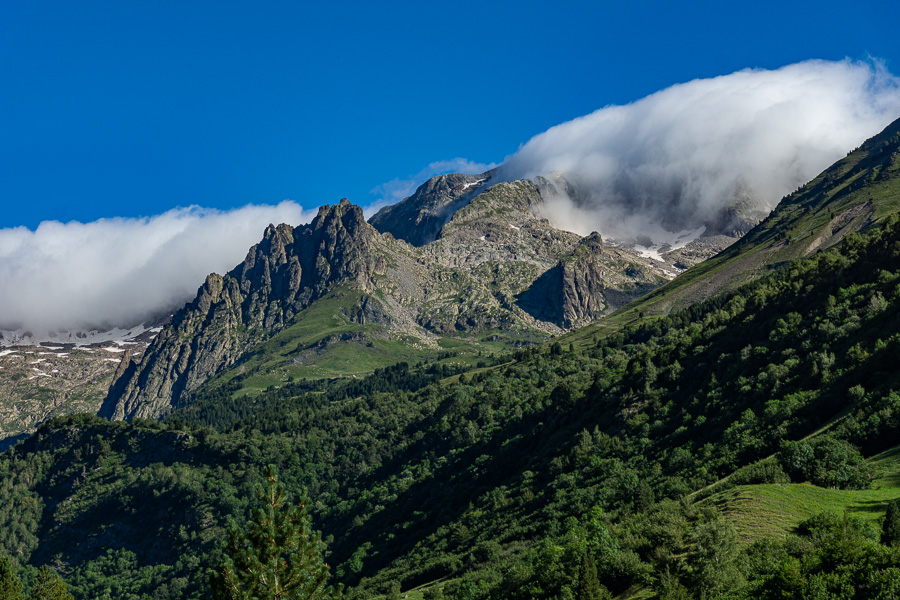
x=289, y=269
x=583, y=283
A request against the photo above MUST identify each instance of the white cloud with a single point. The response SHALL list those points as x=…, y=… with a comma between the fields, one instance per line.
x=674, y=158
x=119, y=271
x=397, y=189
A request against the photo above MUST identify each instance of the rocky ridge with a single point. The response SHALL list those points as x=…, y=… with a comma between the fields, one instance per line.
x=289, y=269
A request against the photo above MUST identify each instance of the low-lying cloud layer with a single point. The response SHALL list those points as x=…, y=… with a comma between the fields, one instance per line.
x=120, y=271
x=673, y=159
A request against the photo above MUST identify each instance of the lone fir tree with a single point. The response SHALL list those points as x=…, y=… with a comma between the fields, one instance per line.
x=890, y=529
x=276, y=556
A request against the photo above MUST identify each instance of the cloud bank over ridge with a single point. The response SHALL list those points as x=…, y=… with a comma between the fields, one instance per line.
x=671, y=160
x=665, y=163
x=120, y=271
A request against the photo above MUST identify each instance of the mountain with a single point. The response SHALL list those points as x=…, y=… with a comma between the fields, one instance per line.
x=467, y=265
x=497, y=275
x=55, y=373
x=280, y=277
x=37, y=382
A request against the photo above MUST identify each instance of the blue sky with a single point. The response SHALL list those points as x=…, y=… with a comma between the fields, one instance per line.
x=134, y=108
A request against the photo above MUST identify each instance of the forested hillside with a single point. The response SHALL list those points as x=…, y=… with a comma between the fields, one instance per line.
x=529, y=475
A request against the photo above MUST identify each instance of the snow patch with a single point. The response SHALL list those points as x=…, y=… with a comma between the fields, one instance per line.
x=38, y=361
x=514, y=227
x=649, y=252
x=482, y=238
x=676, y=241
x=474, y=183
x=113, y=349
x=5, y=352
x=117, y=335
x=115, y=360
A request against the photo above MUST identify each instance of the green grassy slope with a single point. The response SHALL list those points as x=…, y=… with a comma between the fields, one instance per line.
x=774, y=510
x=323, y=342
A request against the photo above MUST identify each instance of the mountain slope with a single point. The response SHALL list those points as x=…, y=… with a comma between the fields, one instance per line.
x=513, y=451
x=40, y=381
x=849, y=196
x=289, y=269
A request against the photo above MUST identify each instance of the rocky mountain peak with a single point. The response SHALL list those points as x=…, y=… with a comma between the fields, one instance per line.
x=290, y=268
x=340, y=211
x=419, y=218
x=593, y=240
x=276, y=237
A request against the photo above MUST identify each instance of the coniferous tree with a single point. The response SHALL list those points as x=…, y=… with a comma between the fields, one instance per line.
x=49, y=586
x=890, y=530
x=717, y=559
x=10, y=586
x=669, y=587
x=589, y=587
x=277, y=556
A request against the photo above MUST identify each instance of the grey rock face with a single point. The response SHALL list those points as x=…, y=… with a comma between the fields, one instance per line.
x=583, y=283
